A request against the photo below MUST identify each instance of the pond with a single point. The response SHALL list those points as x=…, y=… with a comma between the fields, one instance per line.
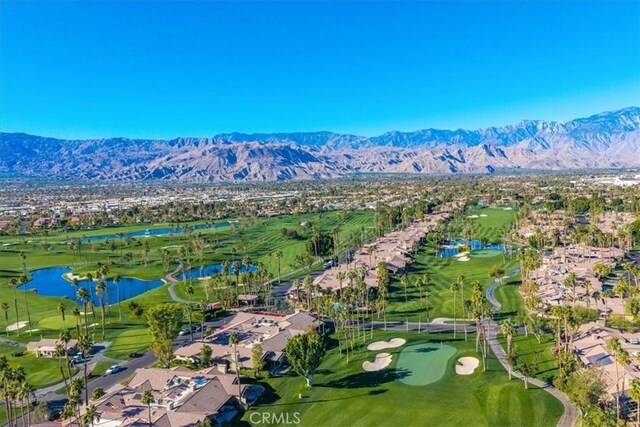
x=451, y=246
x=50, y=282
x=156, y=232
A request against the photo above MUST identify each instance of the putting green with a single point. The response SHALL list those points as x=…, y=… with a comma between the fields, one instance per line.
x=424, y=363
x=485, y=253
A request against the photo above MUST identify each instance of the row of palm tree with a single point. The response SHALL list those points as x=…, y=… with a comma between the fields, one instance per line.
x=16, y=391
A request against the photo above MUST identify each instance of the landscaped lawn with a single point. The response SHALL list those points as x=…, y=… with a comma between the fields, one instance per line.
x=41, y=371
x=442, y=272
x=258, y=240
x=347, y=395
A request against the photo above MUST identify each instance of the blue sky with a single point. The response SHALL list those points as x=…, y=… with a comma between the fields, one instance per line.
x=165, y=69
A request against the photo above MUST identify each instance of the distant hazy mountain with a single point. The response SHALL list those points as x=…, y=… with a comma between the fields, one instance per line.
x=604, y=140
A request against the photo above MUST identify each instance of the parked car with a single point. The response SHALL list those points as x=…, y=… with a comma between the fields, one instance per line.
x=196, y=328
x=77, y=359
x=185, y=331
x=114, y=369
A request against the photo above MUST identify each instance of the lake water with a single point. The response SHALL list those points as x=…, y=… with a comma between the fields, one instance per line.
x=49, y=282
x=156, y=232
x=451, y=247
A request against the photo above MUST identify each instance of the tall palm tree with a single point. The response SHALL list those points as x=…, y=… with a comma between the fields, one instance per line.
x=61, y=310
x=84, y=345
x=509, y=329
x=278, y=255
x=116, y=281
x=615, y=347
x=235, y=266
x=14, y=284
x=100, y=292
x=233, y=340
x=454, y=288
x=23, y=281
x=148, y=399
x=76, y=313
x=83, y=296
x=5, y=309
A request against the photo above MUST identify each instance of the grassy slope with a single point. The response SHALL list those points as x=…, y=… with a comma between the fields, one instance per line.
x=346, y=395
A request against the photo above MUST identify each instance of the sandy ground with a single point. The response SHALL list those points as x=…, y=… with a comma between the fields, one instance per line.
x=483, y=215
x=472, y=216
x=466, y=365
x=381, y=361
x=461, y=254
x=15, y=326
x=381, y=345
x=464, y=259
x=508, y=209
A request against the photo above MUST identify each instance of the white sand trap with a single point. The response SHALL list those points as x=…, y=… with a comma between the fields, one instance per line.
x=466, y=365
x=93, y=324
x=15, y=326
x=461, y=254
x=483, y=215
x=381, y=345
x=381, y=361
x=464, y=259
x=508, y=209
x=472, y=216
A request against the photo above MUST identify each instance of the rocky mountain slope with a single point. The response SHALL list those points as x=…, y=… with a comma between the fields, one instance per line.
x=604, y=140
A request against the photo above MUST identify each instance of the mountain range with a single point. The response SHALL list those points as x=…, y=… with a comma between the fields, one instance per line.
x=606, y=140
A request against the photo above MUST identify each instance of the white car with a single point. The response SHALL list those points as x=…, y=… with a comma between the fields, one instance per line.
x=114, y=369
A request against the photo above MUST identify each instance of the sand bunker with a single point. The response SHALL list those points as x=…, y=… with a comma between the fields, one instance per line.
x=508, y=209
x=15, y=326
x=483, y=215
x=461, y=254
x=472, y=216
x=464, y=259
x=466, y=365
x=381, y=361
x=381, y=345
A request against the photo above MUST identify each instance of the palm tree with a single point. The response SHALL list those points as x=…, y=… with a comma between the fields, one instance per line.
x=148, y=399
x=509, y=329
x=116, y=281
x=83, y=296
x=278, y=255
x=5, y=308
x=340, y=278
x=61, y=309
x=615, y=347
x=77, y=314
x=405, y=281
x=14, y=284
x=84, y=345
x=235, y=266
x=91, y=415
x=23, y=281
x=233, y=340
x=100, y=292
x=455, y=287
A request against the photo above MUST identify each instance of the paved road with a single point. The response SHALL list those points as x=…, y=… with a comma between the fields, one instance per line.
x=570, y=415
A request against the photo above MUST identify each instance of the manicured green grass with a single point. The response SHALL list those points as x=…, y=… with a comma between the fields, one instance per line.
x=487, y=227
x=509, y=297
x=41, y=371
x=442, y=272
x=258, y=240
x=347, y=395
x=536, y=354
